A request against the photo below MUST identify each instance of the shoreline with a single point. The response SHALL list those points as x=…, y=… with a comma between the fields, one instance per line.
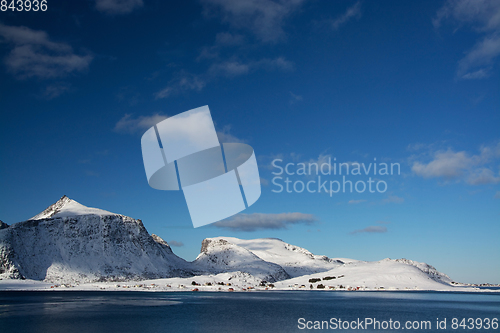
x=141, y=286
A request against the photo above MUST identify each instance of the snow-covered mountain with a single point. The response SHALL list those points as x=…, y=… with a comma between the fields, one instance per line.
x=296, y=261
x=219, y=255
x=65, y=207
x=384, y=274
x=71, y=242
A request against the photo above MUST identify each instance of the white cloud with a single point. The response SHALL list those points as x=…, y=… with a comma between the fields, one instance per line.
x=256, y=221
x=116, y=7
x=226, y=38
x=481, y=55
x=355, y=202
x=447, y=164
x=451, y=165
x=371, y=229
x=184, y=82
x=233, y=68
x=225, y=136
x=295, y=98
x=175, y=243
x=393, y=199
x=483, y=16
x=222, y=40
x=228, y=69
x=279, y=63
x=54, y=90
x=479, y=74
x=482, y=176
x=264, y=182
x=497, y=195
x=129, y=124
x=35, y=55
x=264, y=18
x=353, y=12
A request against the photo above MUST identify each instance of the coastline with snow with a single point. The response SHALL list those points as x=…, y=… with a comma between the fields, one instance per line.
x=69, y=246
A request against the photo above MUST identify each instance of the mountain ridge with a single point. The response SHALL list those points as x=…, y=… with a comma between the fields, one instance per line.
x=71, y=243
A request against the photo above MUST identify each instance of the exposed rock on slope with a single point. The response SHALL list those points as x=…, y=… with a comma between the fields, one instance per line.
x=69, y=242
x=296, y=261
x=3, y=225
x=218, y=256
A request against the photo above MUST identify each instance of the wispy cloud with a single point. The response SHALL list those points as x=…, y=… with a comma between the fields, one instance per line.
x=373, y=229
x=175, y=243
x=483, y=16
x=355, y=202
x=483, y=176
x=233, y=68
x=393, y=199
x=353, y=12
x=117, y=7
x=183, y=82
x=452, y=165
x=222, y=40
x=295, y=98
x=259, y=221
x=497, y=195
x=225, y=136
x=34, y=54
x=264, y=18
x=129, y=124
x=228, y=69
x=55, y=90
x=482, y=56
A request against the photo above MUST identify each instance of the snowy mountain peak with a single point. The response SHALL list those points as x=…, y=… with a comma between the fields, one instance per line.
x=295, y=260
x=65, y=207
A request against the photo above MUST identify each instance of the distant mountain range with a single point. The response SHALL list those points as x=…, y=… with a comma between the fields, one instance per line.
x=71, y=243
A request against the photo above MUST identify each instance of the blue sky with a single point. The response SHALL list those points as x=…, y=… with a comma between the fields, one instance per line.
x=414, y=83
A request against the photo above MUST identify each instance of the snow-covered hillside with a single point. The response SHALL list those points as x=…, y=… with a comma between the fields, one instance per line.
x=219, y=255
x=296, y=261
x=65, y=207
x=69, y=242
x=387, y=274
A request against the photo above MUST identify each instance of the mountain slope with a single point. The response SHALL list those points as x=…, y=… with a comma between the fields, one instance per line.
x=69, y=242
x=383, y=274
x=65, y=207
x=72, y=243
x=3, y=225
x=219, y=255
x=296, y=261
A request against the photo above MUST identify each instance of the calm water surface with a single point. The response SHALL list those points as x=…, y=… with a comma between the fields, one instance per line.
x=144, y=312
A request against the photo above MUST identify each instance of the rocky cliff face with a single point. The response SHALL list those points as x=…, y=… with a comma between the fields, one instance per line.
x=3, y=225
x=69, y=242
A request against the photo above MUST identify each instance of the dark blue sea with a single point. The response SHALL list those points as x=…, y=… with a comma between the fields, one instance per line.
x=288, y=311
